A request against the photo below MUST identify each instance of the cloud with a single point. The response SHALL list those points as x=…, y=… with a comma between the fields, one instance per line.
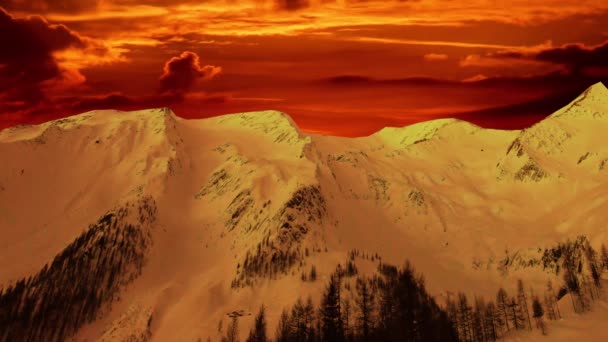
x=365, y=81
x=435, y=57
x=181, y=73
x=551, y=79
x=520, y=115
x=113, y=100
x=292, y=5
x=58, y=107
x=575, y=57
x=476, y=78
x=27, y=47
x=54, y=6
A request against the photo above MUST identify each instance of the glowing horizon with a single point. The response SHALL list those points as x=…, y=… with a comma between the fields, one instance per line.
x=344, y=67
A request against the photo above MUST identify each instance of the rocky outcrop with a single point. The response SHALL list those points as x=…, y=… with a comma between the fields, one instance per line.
x=283, y=245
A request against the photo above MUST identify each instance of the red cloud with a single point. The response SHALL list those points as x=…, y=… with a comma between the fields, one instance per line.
x=436, y=57
x=27, y=58
x=292, y=5
x=65, y=6
x=574, y=56
x=181, y=73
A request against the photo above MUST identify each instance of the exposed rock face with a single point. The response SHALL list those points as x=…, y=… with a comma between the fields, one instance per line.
x=238, y=208
x=305, y=207
x=285, y=242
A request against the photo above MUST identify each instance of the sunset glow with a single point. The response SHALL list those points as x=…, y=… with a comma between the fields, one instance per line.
x=337, y=67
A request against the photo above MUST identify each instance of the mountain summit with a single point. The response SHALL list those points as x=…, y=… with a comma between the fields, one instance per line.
x=592, y=103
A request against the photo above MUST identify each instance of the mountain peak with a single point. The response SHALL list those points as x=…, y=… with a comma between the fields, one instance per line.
x=598, y=88
x=273, y=122
x=591, y=103
x=421, y=131
x=594, y=93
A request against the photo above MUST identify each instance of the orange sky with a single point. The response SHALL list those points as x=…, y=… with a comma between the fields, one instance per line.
x=337, y=67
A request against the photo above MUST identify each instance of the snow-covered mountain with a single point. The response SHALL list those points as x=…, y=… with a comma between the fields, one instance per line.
x=234, y=208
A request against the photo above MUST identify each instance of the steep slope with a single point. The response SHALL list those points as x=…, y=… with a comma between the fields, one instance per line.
x=246, y=203
x=561, y=144
x=82, y=280
x=62, y=175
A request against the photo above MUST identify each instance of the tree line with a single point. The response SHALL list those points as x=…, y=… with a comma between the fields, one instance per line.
x=393, y=305
x=581, y=268
x=480, y=320
x=88, y=273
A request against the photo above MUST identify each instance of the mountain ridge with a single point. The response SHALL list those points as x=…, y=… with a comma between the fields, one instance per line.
x=593, y=94
x=247, y=203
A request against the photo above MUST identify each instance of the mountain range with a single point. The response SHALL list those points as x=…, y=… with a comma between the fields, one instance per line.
x=177, y=224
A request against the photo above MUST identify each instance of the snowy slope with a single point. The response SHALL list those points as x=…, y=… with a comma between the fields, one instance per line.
x=249, y=200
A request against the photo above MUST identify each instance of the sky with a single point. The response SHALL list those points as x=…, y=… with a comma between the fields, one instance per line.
x=339, y=67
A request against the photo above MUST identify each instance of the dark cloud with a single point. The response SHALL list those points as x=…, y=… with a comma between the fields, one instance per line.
x=124, y=102
x=551, y=91
x=59, y=107
x=181, y=73
x=53, y=6
x=109, y=101
x=575, y=57
x=292, y=5
x=118, y=101
x=26, y=55
x=524, y=114
x=550, y=81
x=364, y=81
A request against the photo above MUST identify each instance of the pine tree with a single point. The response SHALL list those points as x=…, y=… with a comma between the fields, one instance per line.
x=552, y=300
x=538, y=312
x=515, y=314
x=387, y=308
x=331, y=317
x=523, y=302
x=569, y=267
x=587, y=291
x=283, y=332
x=490, y=322
x=409, y=297
x=502, y=303
x=313, y=273
x=452, y=312
x=346, y=319
x=258, y=332
x=549, y=308
x=232, y=334
x=365, y=306
x=478, y=320
x=309, y=319
x=595, y=269
x=298, y=328
x=465, y=329
x=604, y=257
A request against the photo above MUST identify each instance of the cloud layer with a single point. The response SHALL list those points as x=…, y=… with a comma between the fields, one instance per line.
x=345, y=67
